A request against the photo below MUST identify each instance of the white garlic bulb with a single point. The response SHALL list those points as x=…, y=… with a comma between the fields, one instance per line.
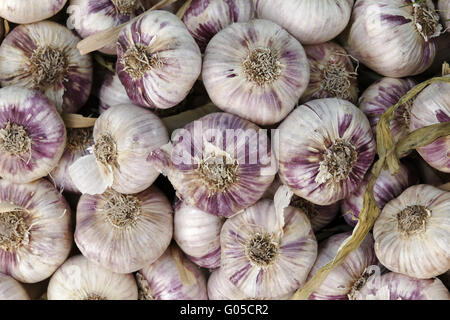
x=80, y=279
x=412, y=233
x=112, y=92
x=11, y=289
x=444, y=10
x=26, y=11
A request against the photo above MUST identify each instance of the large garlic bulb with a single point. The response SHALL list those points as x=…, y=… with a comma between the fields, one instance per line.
x=26, y=11
x=11, y=289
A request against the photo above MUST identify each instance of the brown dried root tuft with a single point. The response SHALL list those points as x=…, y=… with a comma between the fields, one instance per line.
x=126, y=6
x=48, y=66
x=218, y=172
x=337, y=80
x=14, y=232
x=337, y=163
x=138, y=60
x=262, y=249
x=78, y=139
x=121, y=210
x=426, y=20
x=353, y=294
x=14, y=139
x=412, y=220
x=105, y=150
x=262, y=66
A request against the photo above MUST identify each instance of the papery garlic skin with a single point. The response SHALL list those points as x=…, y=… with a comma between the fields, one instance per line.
x=382, y=95
x=124, y=135
x=41, y=239
x=197, y=233
x=384, y=35
x=80, y=279
x=444, y=10
x=415, y=228
x=255, y=70
x=32, y=135
x=26, y=11
x=172, y=277
x=325, y=148
x=158, y=61
x=432, y=106
x=123, y=233
x=112, y=92
x=11, y=289
x=396, y=286
x=205, y=18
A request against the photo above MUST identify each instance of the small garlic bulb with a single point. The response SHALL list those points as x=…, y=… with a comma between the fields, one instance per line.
x=172, y=277
x=26, y=11
x=197, y=233
x=11, y=289
x=412, y=233
x=35, y=230
x=32, y=135
x=124, y=135
x=432, y=106
x=255, y=70
x=80, y=279
x=444, y=10
x=158, y=61
x=123, y=233
x=393, y=37
x=44, y=56
x=325, y=148
x=112, y=92
x=396, y=286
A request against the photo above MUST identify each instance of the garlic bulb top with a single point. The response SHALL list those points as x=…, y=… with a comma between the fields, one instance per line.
x=11, y=289
x=32, y=135
x=255, y=70
x=415, y=228
x=325, y=148
x=432, y=106
x=35, y=230
x=444, y=10
x=123, y=233
x=26, y=11
x=80, y=279
x=112, y=92
x=205, y=18
x=310, y=21
x=158, y=61
x=44, y=56
x=393, y=37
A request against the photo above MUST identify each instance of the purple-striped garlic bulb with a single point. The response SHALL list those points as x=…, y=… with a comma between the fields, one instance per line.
x=432, y=106
x=124, y=135
x=444, y=10
x=172, y=277
x=112, y=92
x=158, y=61
x=44, y=56
x=387, y=187
x=310, y=21
x=81, y=279
x=267, y=251
x=393, y=37
x=11, y=289
x=220, y=163
x=396, y=286
x=345, y=281
x=124, y=233
x=26, y=11
x=332, y=73
x=382, y=95
x=197, y=233
x=255, y=70
x=32, y=135
x=35, y=230
x=205, y=18
x=412, y=233
x=325, y=148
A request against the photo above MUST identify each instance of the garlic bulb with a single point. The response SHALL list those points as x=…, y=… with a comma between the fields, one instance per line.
x=345, y=281
x=444, y=10
x=25, y=11
x=220, y=163
x=267, y=252
x=44, y=56
x=32, y=135
x=255, y=70
x=124, y=135
x=80, y=279
x=310, y=21
x=11, y=289
x=35, y=230
x=205, y=18
x=393, y=37
x=123, y=233
x=158, y=61
x=382, y=95
x=332, y=73
x=112, y=93
x=387, y=187
x=325, y=148
x=432, y=106
x=396, y=286
x=172, y=277
x=415, y=228
x=197, y=233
